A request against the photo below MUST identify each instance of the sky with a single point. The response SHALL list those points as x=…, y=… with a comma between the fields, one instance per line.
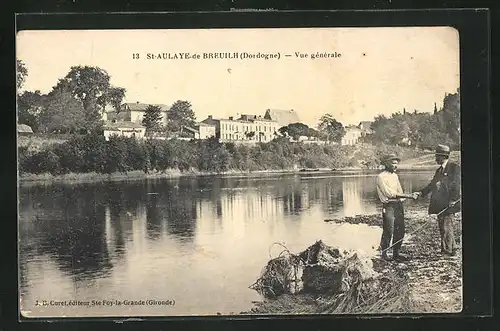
x=380, y=70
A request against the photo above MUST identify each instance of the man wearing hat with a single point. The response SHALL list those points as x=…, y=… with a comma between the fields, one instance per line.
x=445, y=195
x=391, y=195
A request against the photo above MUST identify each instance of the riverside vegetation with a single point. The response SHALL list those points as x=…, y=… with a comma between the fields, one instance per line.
x=84, y=154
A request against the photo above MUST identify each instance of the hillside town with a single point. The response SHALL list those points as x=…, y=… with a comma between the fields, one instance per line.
x=245, y=128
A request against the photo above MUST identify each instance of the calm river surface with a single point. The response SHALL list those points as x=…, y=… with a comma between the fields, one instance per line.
x=198, y=242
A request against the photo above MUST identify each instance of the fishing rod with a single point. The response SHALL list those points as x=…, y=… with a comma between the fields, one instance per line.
x=416, y=230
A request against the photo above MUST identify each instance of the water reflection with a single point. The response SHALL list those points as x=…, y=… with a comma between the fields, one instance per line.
x=189, y=237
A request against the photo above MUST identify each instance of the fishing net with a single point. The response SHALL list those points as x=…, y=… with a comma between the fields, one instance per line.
x=339, y=281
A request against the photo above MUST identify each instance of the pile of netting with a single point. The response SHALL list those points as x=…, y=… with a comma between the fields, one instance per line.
x=335, y=281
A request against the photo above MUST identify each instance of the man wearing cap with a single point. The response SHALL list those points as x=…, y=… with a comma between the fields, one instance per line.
x=391, y=195
x=445, y=195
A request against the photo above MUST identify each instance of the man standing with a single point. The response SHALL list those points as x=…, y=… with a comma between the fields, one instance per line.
x=445, y=194
x=391, y=195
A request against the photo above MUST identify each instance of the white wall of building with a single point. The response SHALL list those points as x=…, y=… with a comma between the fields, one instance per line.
x=206, y=131
x=126, y=132
x=351, y=136
x=231, y=130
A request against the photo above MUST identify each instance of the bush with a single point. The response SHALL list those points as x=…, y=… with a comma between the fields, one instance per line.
x=117, y=155
x=42, y=162
x=137, y=156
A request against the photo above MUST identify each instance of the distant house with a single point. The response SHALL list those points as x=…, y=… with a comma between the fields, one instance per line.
x=244, y=129
x=365, y=127
x=352, y=135
x=24, y=130
x=188, y=132
x=199, y=131
x=134, y=112
x=205, y=130
x=282, y=117
x=123, y=128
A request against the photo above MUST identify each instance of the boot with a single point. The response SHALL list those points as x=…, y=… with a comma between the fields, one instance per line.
x=399, y=257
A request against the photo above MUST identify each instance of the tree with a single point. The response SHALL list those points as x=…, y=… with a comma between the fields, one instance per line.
x=61, y=113
x=152, y=118
x=296, y=130
x=451, y=117
x=250, y=134
x=392, y=131
x=283, y=130
x=91, y=86
x=313, y=133
x=333, y=129
x=29, y=107
x=421, y=129
x=21, y=73
x=114, y=97
x=179, y=115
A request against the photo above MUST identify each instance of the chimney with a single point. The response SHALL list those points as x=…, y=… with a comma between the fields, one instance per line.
x=210, y=117
x=137, y=101
x=231, y=118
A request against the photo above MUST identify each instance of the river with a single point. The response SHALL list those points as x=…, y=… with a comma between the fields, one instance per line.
x=192, y=244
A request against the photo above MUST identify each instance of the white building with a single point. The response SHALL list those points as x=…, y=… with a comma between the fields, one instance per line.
x=200, y=131
x=246, y=128
x=205, y=130
x=352, y=135
x=126, y=129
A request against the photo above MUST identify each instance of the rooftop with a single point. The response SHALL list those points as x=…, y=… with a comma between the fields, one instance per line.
x=248, y=119
x=204, y=124
x=137, y=106
x=23, y=128
x=282, y=116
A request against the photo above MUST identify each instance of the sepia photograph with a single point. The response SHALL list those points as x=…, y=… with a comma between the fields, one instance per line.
x=239, y=171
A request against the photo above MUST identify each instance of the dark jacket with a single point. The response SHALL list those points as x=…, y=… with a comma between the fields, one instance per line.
x=444, y=187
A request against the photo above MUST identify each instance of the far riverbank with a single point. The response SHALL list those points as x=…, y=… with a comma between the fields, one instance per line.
x=81, y=178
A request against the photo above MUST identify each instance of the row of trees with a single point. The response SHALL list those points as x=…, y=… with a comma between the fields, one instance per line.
x=329, y=129
x=420, y=130
x=92, y=153
x=76, y=103
x=78, y=100
x=179, y=115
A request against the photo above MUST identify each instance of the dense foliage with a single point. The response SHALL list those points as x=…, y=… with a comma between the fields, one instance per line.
x=152, y=118
x=75, y=104
x=420, y=130
x=92, y=153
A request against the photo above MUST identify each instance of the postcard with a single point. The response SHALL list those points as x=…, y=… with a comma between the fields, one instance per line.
x=242, y=171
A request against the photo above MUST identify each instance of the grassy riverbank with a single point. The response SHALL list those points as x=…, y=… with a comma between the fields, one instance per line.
x=432, y=282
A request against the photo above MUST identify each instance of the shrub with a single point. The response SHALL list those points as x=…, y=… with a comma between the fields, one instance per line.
x=116, y=155
x=42, y=162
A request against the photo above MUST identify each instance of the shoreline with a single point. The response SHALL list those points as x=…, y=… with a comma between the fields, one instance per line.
x=434, y=281
x=75, y=178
